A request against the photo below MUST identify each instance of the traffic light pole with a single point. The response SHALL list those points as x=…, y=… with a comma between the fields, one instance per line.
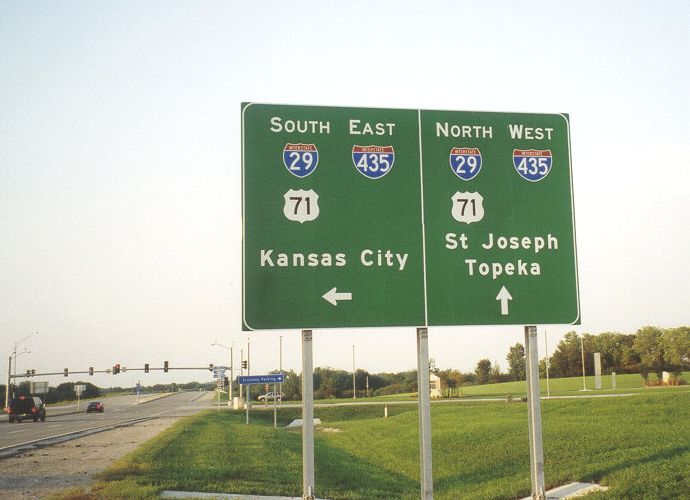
x=107, y=370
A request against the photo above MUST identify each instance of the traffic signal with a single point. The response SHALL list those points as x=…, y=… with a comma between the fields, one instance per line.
x=66, y=372
x=116, y=369
x=227, y=382
x=146, y=367
x=90, y=370
x=210, y=367
x=33, y=372
x=244, y=364
x=28, y=373
x=165, y=366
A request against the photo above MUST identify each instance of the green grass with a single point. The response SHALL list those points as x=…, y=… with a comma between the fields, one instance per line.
x=566, y=386
x=637, y=445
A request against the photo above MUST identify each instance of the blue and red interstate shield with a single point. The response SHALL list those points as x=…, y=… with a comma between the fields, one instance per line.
x=373, y=161
x=465, y=162
x=300, y=159
x=532, y=164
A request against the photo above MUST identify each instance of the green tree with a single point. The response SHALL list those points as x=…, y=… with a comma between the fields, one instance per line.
x=516, y=362
x=675, y=343
x=292, y=387
x=483, y=371
x=496, y=376
x=648, y=345
x=565, y=360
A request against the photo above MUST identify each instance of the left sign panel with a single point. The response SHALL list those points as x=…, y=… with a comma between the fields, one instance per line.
x=331, y=217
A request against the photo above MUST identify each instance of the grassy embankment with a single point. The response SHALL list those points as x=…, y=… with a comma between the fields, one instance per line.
x=637, y=445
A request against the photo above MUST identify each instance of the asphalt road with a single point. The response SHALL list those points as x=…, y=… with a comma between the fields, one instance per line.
x=65, y=420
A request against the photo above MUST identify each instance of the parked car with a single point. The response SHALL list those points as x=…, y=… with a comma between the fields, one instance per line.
x=26, y=406
x=271, y=395
x=95, y=406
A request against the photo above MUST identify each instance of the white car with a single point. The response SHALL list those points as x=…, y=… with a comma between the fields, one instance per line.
x=271, y=395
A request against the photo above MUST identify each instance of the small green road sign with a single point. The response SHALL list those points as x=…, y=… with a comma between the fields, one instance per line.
x=360, y=217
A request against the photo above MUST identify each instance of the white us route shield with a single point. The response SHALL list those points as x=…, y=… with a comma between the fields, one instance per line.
x=301, y=205
x=467, y=207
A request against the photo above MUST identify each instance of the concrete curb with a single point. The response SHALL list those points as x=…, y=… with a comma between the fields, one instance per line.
x=224, y=496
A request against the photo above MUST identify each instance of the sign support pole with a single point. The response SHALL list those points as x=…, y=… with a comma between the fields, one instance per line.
x=536, y=448
x=275, y=408
x=307, y=416
x=426, y=479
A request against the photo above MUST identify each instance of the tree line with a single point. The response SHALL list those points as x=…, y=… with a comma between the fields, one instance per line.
x=650, y=350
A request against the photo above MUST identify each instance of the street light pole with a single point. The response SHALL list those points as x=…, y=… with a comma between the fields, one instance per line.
x=231, y=368
x=9, y=379
x=249, y=387
x=14, y=352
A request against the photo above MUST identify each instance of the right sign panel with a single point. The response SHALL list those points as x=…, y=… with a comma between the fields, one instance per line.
x=498, y=219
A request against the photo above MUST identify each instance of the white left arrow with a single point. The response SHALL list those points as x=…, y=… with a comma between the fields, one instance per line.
x=334, y=296
x=504, y=296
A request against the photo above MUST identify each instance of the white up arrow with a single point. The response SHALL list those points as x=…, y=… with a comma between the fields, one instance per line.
x=333, y=296
x=504, y=296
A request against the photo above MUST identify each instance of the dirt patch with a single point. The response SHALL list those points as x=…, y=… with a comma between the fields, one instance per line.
x=45, y=471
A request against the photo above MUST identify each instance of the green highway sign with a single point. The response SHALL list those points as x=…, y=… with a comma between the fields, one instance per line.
x=365, y=217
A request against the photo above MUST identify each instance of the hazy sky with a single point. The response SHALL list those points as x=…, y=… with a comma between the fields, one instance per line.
x=120, y=201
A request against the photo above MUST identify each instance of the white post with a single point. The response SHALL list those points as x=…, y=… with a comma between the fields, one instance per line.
x=536, y=455
x=231, y=378
x=308, y=485
x=275, y=407
x=248, y=403
x=582, y=348
x=423, y=388
x=354, y=384
x=597, y=371
x=546, y=348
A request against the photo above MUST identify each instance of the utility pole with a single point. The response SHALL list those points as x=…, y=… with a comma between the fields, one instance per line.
x=9, y=380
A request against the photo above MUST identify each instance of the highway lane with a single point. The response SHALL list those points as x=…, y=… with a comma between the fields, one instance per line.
x=63, y=420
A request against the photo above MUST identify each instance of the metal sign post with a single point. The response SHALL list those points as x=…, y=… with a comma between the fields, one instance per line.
x=307, y=416
x=427, y=484
x=536, y=448
x=275, y=406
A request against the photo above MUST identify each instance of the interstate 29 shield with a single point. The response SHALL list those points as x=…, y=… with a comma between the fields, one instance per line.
x=465, y=162
x=300, y=159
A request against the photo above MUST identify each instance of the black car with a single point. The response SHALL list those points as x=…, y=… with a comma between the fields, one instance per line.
x=95, y=406
x=26, y=406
